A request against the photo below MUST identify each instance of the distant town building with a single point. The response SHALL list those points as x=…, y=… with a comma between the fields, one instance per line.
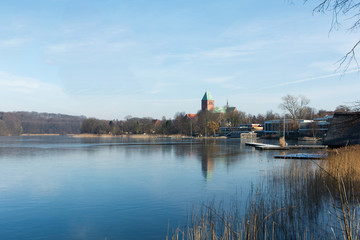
x=190, y=116
x=242, y=131
x=317, y=127
x=276, y=127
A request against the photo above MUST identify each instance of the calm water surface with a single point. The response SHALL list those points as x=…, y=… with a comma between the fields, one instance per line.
x=59, y=187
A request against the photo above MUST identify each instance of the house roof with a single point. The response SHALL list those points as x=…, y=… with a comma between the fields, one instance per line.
x=219, y=110
x=207, y=96
x=190, y=116
x=224, y=109
x=231, y=109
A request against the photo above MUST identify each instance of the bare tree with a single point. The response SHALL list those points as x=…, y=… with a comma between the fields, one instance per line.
x=343, y=109
x=270, y=115
x=356, y=106
x=343, y=10
x=297, y=106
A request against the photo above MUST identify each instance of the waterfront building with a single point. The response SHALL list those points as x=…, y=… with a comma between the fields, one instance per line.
x=276, y=127
x=315, y=128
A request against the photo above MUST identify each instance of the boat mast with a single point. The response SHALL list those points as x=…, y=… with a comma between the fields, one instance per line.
x=284, y=128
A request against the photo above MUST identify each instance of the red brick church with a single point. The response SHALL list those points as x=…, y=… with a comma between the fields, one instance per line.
x=207, y=102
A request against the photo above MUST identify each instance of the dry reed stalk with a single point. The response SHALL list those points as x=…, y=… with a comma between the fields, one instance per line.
x=343, y=182
x=282, y=142
x=343, y=164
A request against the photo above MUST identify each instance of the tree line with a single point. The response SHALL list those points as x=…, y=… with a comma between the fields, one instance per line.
x=203, y=123
x=17, y=123
x=206, y=122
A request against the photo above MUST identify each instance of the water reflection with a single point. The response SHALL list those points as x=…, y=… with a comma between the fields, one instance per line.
x=123, y=188
x=207, y=156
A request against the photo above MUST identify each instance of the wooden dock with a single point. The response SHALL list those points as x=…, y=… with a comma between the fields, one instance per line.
x=311, y=156
x=262, y=146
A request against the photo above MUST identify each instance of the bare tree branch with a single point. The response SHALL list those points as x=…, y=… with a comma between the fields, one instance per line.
x=349, y=57
x=343, y=10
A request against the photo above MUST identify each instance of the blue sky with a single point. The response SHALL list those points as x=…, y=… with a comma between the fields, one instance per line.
x=109, y=59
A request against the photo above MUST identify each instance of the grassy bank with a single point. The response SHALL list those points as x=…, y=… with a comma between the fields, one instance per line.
x=301, y=200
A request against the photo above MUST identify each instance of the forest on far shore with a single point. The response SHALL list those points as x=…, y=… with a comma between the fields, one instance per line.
x=203, y=123
x=200, y=124
x=17, y=123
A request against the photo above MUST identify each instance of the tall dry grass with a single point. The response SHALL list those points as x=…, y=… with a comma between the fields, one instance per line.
x=344, y=163
x=342, y=177
x=301, y=200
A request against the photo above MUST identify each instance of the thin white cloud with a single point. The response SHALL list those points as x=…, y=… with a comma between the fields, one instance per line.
x=227, y=52
x=111, y=38
x=233, y=86
x=13, y=42
x=68, y=46
x=311, y=79
x=237, y=50
x=91, y=45
x=231, y=51
x=21, y=84
x=328, y=66
x=216, y=79
x=24, y=90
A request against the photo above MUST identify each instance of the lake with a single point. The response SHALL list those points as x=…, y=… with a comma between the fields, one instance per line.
x=60, y=187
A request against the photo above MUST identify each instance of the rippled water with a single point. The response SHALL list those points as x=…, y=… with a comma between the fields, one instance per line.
x=59, y=187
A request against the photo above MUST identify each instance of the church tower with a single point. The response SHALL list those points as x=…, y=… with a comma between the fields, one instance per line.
x=207, y=102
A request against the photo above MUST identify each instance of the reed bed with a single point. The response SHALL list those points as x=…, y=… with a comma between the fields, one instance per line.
x=301, y=200
x=342, y=178
x=343, y=163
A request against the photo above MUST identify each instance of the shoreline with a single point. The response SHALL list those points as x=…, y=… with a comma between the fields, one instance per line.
x=140, y=136
x=40, y=134
x=136, y=136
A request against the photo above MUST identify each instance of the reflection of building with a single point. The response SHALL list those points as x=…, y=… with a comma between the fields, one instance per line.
x=207, y=166
x=208, y=160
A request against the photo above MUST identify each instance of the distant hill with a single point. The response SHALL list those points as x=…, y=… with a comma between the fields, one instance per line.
x=16, y=123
